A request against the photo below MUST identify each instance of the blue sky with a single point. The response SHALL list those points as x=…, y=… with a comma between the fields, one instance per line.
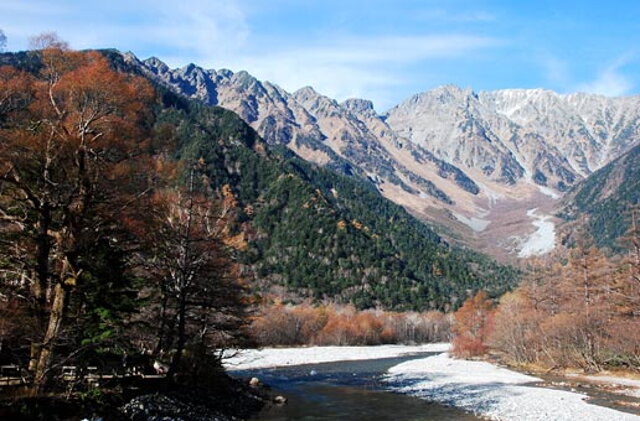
x=381, y=50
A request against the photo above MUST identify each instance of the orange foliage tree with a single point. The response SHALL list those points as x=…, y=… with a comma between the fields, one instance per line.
x=580, y=311
x=73, y=153
x=472, y=325
x=279, y=324
x=198, y=295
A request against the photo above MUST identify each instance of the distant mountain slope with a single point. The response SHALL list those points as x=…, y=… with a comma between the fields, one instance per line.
x=511, y=134
x=316, y=233
x=605, y=197
x=326, y=235
x=322, y=234
x=314, y=126
x=474, y=164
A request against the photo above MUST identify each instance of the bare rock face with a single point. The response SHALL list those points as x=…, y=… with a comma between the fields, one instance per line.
x=552, y=139
x=349, y=137
x=448, y=155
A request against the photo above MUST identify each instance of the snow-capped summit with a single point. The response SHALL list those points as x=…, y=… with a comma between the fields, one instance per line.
x=551, y=138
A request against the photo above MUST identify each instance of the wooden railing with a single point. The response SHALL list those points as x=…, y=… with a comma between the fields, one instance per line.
x=13, y=375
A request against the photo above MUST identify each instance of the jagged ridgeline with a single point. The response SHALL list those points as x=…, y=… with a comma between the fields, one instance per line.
x=325, y=234
x=605, y=198
x=321, y=234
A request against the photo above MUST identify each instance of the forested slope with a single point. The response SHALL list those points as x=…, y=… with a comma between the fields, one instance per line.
x=326, y=235
x=311, y=230
x=605, y=198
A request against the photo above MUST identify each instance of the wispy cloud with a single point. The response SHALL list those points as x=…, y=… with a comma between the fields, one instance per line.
x=217, y=33
x=443, y=15
x=198, y=28
x=610, y=81
x=358, y=67
x=556, y=71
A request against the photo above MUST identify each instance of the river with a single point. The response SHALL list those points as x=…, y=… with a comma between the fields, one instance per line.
x=346, y=391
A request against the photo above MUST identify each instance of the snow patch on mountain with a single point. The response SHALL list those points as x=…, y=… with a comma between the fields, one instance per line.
x=492, y=195
x=476, y=224
x=543, y=240
x=548, y=192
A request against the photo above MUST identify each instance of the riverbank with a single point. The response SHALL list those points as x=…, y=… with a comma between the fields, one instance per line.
x=627, y=386
x=346, y=391
x=479, y=387
x=618, y=389
x=493, y=392
x=282, y=357
x=223, y=399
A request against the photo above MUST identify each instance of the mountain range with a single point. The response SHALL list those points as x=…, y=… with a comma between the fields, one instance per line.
x=487, y=169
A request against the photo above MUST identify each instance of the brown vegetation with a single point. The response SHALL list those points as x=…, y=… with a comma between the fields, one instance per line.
x=472, y=325
x=71, y=137
x=91, y=208
x=581, y=311
x=279, y=324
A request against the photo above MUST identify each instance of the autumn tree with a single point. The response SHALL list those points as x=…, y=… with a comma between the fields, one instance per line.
x=587, y=292
x=472, y=325
x=199, y=297
x=516, y=327
x=73, y=154
x=576, y=311
x=628, y=279
x=632, y=239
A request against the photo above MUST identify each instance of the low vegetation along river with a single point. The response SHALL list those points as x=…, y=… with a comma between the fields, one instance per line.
x=347, y=390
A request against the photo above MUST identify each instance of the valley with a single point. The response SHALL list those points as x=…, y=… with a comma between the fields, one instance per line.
x=472, y=164
x=338, y=228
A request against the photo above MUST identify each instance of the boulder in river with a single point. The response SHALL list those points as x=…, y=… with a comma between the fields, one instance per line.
x=280, y=400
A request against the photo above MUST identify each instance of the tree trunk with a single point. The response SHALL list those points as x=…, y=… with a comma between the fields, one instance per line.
x=182, y=338
x=53, y=330
x=162, y=341
x=39, y=288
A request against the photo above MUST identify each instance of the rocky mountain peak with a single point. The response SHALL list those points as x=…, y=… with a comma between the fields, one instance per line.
x=359, y=106
x=555, y=138
x=445, y=94
x=156, y=64
x=225, y=73
x=316, y=103
x=306, y=91
x=449, y=149
x=190, y=68
x=307, y=94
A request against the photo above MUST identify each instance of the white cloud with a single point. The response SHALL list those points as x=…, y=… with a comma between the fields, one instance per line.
x=556, y=70
x=610, y=81
x=197, y=28
x=216, y=33
x=443, y=15
x=357, y=67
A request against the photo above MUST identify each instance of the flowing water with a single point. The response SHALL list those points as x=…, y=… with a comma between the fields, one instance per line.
x=346, y=391
x=597, y=394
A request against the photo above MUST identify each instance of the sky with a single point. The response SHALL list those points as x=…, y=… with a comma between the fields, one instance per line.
x=385, y=51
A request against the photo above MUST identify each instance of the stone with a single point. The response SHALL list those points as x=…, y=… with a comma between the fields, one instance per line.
x=280, y=400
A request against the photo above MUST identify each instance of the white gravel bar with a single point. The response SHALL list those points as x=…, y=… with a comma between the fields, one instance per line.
x=493, y=392
x=282, y=357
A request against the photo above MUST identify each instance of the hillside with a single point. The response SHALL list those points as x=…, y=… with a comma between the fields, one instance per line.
x=604, y=199
x=323, y=234
x=473, y=164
